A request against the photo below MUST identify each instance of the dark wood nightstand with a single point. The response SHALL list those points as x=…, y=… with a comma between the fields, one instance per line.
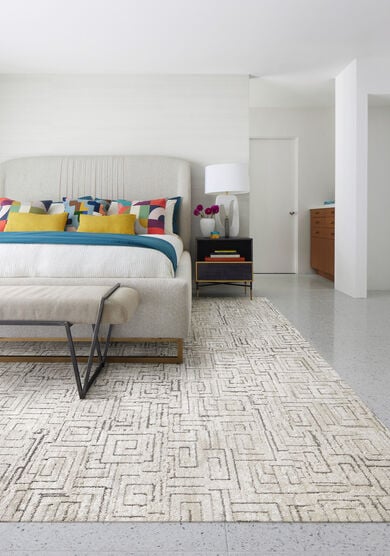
x=235, y=271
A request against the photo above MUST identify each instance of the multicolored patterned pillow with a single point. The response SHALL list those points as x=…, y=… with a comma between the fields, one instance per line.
x=150, y=215
x=56, y=207
x=172, y=211
x=105, y=202
x=82, y=205
x=8, y=206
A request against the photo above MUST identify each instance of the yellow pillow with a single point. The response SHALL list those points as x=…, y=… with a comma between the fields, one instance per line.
x=30, y=222
x=113, y=224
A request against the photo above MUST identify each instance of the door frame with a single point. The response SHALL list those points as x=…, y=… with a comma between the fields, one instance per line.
x=295, y=140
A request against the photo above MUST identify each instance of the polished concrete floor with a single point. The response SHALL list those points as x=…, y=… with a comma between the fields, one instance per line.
x=354, y=337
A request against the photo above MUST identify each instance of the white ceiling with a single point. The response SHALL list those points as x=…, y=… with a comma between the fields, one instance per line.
x=293, y=43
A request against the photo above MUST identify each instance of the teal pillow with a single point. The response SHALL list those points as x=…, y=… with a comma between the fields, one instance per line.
x=176, y=214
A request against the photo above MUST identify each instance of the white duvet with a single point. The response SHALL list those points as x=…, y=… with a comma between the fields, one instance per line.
x=87, y=261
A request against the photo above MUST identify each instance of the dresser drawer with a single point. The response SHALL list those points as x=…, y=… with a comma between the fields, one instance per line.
x=323, y=232
x=327, y=221
x=322, y=212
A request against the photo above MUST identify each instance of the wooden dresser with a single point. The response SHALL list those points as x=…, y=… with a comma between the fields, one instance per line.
x=322, y=222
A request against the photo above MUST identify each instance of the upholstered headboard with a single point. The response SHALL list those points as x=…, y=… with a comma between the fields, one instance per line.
x=111, y=177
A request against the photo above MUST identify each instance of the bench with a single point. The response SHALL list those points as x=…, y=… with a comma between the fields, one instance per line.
x=66, y=306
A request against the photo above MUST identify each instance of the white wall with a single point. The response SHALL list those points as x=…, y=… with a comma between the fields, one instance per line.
x=378, y=260
x=360, y=78
x=203, y=119
x=314, y=128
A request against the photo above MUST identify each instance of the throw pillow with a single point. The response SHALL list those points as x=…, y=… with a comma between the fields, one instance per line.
x=8, y=206
x=22, y=222
x=150, y=215
x=114, y=224
x=172, y=211
x=75, y=207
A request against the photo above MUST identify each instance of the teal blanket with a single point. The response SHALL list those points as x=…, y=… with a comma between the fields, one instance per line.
x=83, y=238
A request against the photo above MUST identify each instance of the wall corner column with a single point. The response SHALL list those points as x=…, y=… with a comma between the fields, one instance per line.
x=351, y=183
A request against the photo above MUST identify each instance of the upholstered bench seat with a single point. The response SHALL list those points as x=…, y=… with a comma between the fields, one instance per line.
x=66, y=306
x=75, y=304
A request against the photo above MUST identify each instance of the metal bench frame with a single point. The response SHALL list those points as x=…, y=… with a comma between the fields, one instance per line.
x=83, y=385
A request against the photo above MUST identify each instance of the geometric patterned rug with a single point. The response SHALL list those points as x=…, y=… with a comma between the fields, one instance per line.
x=254, y=426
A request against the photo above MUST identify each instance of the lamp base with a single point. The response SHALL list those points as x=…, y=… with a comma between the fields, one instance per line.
x=230, y=204
x=227, y=227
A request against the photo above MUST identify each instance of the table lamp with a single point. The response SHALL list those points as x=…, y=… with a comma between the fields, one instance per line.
x=227, y=181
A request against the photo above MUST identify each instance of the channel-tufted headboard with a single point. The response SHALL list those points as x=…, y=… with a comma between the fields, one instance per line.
x=111, y=177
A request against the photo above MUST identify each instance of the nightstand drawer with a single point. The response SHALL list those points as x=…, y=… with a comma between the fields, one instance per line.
x=223, y=272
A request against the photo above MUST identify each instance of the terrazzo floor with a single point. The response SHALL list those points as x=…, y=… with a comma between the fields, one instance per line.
x=353, y=335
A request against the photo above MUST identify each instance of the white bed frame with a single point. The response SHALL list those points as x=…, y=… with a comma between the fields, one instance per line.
x=165, y=303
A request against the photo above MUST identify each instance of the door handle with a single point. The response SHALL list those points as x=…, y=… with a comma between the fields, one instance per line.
x=292, y=212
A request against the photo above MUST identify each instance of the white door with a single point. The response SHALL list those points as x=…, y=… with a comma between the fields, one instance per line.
x=273, y=202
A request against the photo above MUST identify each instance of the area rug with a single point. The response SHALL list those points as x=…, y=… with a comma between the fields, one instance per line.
x=254, y=426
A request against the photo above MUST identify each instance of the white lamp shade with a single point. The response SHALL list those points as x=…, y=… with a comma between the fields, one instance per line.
x=228, y=178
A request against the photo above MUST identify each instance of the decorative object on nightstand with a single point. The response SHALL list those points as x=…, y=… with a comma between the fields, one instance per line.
x=207, y=220
x=207, y=225
x=227, y=180
x=224, y=261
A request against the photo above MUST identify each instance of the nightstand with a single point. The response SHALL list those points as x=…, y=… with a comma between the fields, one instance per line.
x=227, y=260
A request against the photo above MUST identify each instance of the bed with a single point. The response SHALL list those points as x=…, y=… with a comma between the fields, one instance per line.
x=165, y=293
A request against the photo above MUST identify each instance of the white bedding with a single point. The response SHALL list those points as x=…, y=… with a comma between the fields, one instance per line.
x=87, y=261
